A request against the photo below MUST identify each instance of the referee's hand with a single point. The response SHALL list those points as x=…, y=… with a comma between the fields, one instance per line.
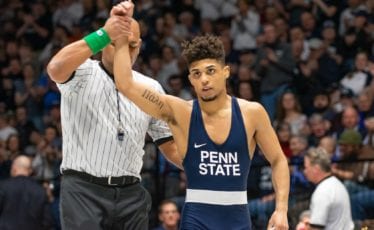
x=117, y=26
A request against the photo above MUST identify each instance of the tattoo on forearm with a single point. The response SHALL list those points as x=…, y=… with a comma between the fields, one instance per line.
x=150, y=96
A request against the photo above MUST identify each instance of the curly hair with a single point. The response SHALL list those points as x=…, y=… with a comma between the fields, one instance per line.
x=203, y=47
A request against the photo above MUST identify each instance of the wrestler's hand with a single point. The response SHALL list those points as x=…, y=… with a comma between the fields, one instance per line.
x=123, y=8
x=278, y=221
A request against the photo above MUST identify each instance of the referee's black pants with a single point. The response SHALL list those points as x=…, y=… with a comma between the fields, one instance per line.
x=85, y=205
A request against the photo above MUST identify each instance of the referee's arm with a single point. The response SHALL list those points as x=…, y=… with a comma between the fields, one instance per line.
x=69, y=58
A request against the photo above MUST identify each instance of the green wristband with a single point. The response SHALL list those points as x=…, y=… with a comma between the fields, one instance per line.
x=97, y=40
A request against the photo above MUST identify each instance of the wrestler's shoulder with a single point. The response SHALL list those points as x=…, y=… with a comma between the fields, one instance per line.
x=250, y=106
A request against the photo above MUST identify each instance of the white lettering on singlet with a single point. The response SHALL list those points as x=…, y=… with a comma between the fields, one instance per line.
x=219, y=163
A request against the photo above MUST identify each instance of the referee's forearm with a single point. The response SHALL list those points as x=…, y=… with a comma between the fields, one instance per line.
x=67, y=60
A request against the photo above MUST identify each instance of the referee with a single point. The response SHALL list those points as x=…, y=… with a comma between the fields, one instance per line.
x=103, y=133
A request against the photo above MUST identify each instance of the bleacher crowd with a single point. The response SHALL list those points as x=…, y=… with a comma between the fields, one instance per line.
x=309, y=62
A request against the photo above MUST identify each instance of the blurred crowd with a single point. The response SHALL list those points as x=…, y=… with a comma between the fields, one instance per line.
x=309, y=62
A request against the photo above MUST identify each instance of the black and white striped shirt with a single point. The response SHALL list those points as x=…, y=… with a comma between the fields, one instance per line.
x=89, y=118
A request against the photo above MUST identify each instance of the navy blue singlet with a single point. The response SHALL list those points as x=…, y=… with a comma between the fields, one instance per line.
x=217, y=174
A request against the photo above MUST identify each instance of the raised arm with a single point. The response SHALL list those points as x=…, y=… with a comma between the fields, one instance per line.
x=268, y=142
x=146, y=98
x=69, y=58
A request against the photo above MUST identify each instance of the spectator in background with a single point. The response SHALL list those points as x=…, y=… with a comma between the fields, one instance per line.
x=274, y=65
x=330, y=206
x=330, y=40
x=53, y=118
x=154, y=66
x=360, y=27
x=325, y=10
x=299, y=184
x=319, y=128
x=245, y=27
x=357, y=176
x=23, y=202
x=5, y=129
x=350, y=142
x=365, y=108
x=46, y=164
x=294, y=9
x=298, y=146
x=289, y=111
x=349, y=46
x=362, y=205
x=28, y=95
x=7, y=92
x=326, y=63
x=350, y=121
x=232, y=56
x=347, y=17
x=244, y=73
x=173, y=31
x=308, y=24
x=206, y=27
x=27, y=54
x=37, y=25
x=169, y=66
x=328, y=143
x=303, y=83
x=11, y=49
x=247, y=58
x=297, y=34
x=24, y=125
x=359, y=78
x=270, y=14
x=168, y=215
x=283, y=131
x=215, y=9
x=102, y=11
x=245, y=91
x=187, y=19
x=369, y=125
x=321, y=104
x=282, y=29
x=341, y=98
x=177, y=89
x=60, y=38
x=13, y=147
x=304, y=220
x=68, y=13
x=13, y=71
x=35, y=139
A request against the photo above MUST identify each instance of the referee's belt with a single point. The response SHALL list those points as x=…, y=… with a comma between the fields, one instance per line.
x=106, y=181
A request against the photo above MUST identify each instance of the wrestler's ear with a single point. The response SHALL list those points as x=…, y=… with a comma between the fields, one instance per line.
x=226, y=71
x=190, y=78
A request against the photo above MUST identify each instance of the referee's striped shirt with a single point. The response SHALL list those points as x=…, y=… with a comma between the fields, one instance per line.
x=89, y=118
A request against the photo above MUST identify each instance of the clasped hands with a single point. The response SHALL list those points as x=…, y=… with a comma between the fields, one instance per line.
x=119, y=23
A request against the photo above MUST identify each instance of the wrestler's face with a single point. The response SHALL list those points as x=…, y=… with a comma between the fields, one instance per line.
x=134, y=43
x=208, y=77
